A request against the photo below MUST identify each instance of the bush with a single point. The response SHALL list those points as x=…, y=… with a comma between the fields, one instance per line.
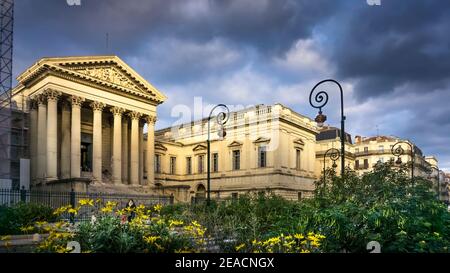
x=385, y=205
x=13, y=219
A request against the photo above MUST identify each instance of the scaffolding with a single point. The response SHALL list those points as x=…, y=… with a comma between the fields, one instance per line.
x=13, y=127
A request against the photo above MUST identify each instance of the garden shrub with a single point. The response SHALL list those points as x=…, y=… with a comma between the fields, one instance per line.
x=13, y=219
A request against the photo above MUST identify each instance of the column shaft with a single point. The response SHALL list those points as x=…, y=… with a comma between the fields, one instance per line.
x=117, y=145
x=65, y=140
x=134, y=149
x=141, y=153
x=52, y=137
x=33, y=136
x=42, y=138
x=97, y=108
x=125, y=151
x=75, y=146
x=150, y=149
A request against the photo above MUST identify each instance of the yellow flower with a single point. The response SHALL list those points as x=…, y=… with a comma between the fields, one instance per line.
x=299, y=236
x=305, y=251
x=175, y=223
x=86, y=202
x=27, y=229
x=239, y=247
x=157, y=207
x=73, y=210
x=151, y=239
x=40, y=223
x=61, y=210
x=5, y=238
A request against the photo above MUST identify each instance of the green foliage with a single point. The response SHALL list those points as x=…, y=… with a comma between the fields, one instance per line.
x=385, y=205
x=251, y=217
x=23, y=214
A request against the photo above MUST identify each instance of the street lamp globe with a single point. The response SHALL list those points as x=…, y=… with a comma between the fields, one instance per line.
x=320, y=119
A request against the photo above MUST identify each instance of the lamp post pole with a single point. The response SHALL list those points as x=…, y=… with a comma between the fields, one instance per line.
x=320, y=100
x=221, y=119
x=400, y=151
x=334, y=155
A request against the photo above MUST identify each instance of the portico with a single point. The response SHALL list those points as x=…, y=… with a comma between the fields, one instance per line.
x=88, y=114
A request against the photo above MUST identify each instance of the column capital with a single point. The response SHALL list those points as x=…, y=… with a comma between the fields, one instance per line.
x=33, y=104
x=52, y=94
x=41, y=99
x=97, y=106
x=76, y=101
x=134, y=115
x=150, y=119
x=117, y=110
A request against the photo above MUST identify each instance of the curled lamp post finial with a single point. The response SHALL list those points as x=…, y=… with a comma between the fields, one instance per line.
x=319, y=100
x=397, y=150
x=334, y=155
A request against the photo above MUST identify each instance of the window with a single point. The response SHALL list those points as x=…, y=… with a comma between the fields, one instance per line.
x=381, y=149
x=356, y=150
x=262, y=156
x=298, y=159
x=366, y=163
x=299, y=195
x=366, y=150
x=200, y=163
x=189, y=165
x=357, y=164
x=215, y=163
x=173, y=164
x=234, y=195
x=381, y=159
x=236, y=160
x=157, y=163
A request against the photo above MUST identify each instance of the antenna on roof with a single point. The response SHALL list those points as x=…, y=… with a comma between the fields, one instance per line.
x=107, y=42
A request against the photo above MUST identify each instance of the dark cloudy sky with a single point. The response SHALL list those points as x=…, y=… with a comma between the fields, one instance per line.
x=393, y=60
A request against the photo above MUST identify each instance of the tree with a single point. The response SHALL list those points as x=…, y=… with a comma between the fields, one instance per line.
x=385, y=205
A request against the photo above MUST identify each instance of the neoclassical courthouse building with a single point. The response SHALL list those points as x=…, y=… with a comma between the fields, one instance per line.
x=87, y=116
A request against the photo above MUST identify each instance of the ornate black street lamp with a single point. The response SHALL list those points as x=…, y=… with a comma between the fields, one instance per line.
x=320, y=100
x=334, y=155
x=398, y=151
x=221, y=119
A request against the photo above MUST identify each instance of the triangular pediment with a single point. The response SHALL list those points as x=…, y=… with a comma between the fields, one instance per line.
x=262, y=140
x=199, y=147
x=235, y=144
x=106, y=71
x=299, y=143
x=160, y=147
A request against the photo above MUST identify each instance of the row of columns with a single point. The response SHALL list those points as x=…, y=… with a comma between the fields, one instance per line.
x=44, y=140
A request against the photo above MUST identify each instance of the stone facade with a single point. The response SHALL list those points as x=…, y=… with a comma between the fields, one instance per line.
x=85, y=118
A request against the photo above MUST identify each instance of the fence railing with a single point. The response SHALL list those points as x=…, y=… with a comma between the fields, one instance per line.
x=10, y=197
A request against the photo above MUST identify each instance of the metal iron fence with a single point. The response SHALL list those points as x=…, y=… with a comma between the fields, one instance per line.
x=11, y=197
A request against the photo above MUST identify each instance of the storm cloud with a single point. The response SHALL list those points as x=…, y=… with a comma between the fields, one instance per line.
x=393, y=60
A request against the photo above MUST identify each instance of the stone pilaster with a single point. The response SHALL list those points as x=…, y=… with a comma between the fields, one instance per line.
x=117, y=145
x=97, y=108
x=150, y=120
x=134, y=149
x=75, y=146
